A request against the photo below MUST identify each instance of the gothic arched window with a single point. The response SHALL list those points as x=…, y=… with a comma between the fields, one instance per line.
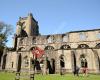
x=83, y=46
x=65, y=38
x=33, y=40
x=49, y=40
x=98, y=45
x=98, y=35
x=49, y=48
x=65, y=47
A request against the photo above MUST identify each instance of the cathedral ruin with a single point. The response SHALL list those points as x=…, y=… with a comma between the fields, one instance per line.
x=74, y=47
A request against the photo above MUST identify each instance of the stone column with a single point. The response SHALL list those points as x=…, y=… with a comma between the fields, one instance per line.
x=45, y=64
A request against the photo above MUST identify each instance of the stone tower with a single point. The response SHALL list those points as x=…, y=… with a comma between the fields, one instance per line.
x=27, y=26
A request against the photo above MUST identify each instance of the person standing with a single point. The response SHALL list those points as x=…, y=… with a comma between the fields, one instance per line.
x=85, y=70
x=62, y=65
x=76, y=71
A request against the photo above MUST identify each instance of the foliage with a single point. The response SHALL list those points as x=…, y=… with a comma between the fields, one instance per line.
x=5, y=31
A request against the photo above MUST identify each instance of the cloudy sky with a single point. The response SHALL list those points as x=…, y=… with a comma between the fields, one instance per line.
x=53, y=16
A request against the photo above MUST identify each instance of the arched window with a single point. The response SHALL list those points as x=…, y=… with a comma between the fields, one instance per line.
x=49, y=48
x=98, y=45
x=85, y=46
x=98, y=35
x=65, y=38
x=21, y=49
x=49, y=40
x=65, y=47
x=32, y=48
x=33, y=40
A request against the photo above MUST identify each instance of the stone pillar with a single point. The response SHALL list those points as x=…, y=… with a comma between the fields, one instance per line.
x=68, y=60
x=45, y=64
x=59, y=52
x=95, y=61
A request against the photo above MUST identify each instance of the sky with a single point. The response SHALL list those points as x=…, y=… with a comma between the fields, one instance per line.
x=53, y=16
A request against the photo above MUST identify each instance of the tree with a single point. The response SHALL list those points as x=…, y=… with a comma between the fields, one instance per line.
x=5, y=32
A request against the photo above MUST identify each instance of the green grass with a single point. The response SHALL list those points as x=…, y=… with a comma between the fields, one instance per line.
x=7, y=76
x=67, y=77
x=11, y=76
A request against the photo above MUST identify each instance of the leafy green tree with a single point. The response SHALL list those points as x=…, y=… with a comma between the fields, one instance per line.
x=5, y=32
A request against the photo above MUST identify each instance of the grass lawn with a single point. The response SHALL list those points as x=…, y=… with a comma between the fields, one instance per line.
x=11, y=76
x=67, y=77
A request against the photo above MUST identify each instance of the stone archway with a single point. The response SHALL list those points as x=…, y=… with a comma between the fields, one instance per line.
x=96, y=58
x=98, y=45
x=96, y=54
x=67, y=56
x=51, y=66
x=50, y=56
x=37, y=59
x=84, y=55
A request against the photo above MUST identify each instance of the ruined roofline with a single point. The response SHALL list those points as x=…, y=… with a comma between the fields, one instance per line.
x=25, y=18
x=30, y=14
x=84, y=30
x=71, y=32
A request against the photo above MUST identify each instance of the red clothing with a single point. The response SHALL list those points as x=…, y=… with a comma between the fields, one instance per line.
x=84, y=70
x=37, y=52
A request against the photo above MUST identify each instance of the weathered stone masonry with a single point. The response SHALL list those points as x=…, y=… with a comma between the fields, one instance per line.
x=74, y=46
